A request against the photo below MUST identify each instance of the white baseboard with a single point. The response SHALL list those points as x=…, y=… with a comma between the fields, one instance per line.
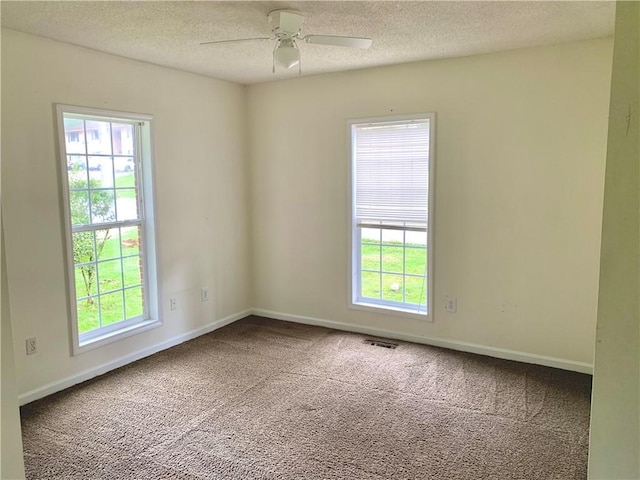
x=67, y=382
x=434, y=341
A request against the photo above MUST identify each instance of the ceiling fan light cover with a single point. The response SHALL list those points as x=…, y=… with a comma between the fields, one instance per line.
x=287, y=56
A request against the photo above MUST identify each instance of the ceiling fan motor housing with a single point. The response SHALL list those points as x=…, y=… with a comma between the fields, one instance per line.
x=286, y=21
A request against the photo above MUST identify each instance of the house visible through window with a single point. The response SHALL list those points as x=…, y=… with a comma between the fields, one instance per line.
x=111, y=249
x=73, y=137
x=391, y=224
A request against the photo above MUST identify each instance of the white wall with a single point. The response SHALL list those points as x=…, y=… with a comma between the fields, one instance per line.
x=11, y=458
x=521, y=142
x=614, y=446
x=520, y=164
x=201, y=183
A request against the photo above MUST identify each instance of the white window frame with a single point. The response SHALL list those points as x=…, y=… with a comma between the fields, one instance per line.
x=356, y=301
x=143, y=166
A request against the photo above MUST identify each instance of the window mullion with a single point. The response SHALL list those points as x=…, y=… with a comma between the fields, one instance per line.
x=140, y=205
x=143, y=258
x=380, y=263
x=391, y=227
x=113, y=172
x=137, y=167
x=95, y=259
x=404, y=266
x=107, y=225
x=124, y=304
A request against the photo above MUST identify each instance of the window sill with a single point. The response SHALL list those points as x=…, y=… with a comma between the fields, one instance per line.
x=390, y=310
x=93, y=343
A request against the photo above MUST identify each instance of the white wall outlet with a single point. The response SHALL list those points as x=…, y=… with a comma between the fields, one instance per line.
x=173, y=304
x=204, y=294
x=32, y=346
x=450, y=304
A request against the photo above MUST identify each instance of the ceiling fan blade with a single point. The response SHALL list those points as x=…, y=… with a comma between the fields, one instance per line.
x=354, y=42
x=238, y=40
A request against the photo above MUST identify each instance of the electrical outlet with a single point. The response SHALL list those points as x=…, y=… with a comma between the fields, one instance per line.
x=450, y=304
x=173, y=304
x=204, y=294
x=32, y=347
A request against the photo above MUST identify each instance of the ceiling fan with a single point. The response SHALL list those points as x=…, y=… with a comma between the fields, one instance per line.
x=286, y=25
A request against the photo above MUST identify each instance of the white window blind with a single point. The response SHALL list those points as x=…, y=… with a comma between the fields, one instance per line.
x=392, y=173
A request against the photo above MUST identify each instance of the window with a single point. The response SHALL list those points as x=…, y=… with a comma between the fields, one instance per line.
x=391, y=255
x=109, y=221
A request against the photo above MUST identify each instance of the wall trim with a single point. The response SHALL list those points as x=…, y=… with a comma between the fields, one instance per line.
x=505, y=354
x=72, y=380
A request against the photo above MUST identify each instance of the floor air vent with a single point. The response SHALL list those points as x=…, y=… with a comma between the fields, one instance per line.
x=381, y=343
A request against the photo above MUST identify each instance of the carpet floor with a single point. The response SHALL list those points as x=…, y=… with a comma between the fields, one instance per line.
x=266, y=399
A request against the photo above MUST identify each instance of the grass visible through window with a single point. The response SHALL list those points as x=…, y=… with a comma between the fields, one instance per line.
x=110, y=272
x=128, y=181
x=383, y=276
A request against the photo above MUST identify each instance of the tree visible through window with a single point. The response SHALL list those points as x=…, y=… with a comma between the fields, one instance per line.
x=110, y=234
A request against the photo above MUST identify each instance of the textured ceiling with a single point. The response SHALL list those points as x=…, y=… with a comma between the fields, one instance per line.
x=169, y=33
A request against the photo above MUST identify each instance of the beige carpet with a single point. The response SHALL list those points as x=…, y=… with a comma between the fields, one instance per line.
x=263, y=399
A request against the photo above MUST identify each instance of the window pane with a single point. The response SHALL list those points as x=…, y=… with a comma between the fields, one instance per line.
x=370, y=235
x=370, y=285
x=98, y=137
x=85, y=277
x=112, y=308
x=392, y=259
x=393, y=237
x=74, y=135
x=122, y=138
x=101, y=237
x=131, y=241
x=132, y=271
x=77, y=180
x=416, y=290
x=415, y=260
x=77, y=168
x=83, y=247
x=392, y=287
x=127, y=204
x=416, y=238
x=110, y=275
x=101, y=171
x=79, y=206
x=102, y=206
x=110, y=244
x=124, y=165
x=96, y=164
x=107, y=172
x=134, y=302
x=370, y=257
x=88, y=315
